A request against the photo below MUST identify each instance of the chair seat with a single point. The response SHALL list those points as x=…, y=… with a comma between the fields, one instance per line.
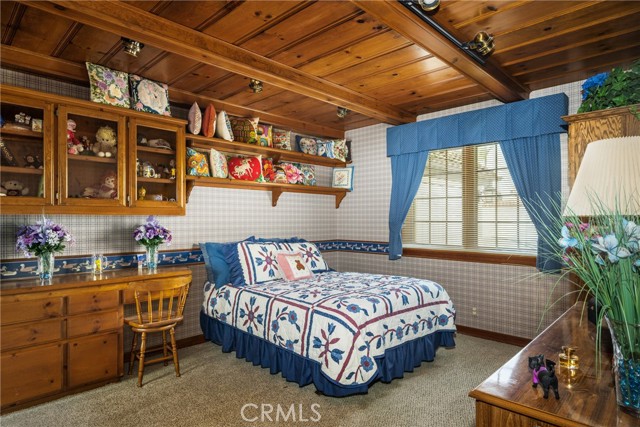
x=134, y=322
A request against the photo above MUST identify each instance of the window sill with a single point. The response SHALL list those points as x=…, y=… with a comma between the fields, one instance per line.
x=468, y=256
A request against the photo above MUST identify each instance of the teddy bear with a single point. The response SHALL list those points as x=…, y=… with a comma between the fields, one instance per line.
x=106, y=189
x=13, y=188
x=74, y=145
x=105, y=145
x=32, y=161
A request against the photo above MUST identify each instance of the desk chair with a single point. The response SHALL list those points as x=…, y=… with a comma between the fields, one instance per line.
x=159, y=307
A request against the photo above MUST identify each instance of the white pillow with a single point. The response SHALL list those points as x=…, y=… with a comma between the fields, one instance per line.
x=223, y=126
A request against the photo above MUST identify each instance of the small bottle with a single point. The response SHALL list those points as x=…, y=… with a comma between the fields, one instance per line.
x=97, y=263
x=568, y=359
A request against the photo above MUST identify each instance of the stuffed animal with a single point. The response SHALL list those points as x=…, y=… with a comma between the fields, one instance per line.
x=106, y=189
x=13, y=188
x=32, y=161
x=105, y=145
x=545, y=375
x=74, y=146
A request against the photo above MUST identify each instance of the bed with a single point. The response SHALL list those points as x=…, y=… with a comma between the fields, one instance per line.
x=340, y=331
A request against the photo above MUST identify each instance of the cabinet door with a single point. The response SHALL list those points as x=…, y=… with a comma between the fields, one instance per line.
x=93, y=359
x=156, y=166
x=31, y=373
x=94, y=175
x=26, y=153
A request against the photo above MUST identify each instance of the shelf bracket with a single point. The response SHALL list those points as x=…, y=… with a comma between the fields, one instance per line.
x=190, y=185
x=275, y=195
x=339, y=198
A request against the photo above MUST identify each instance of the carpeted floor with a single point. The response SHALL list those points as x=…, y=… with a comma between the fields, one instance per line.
x=219, y=390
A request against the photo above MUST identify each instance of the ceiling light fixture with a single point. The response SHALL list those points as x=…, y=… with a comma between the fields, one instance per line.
x=255, y=86
x=481, y=43
x=132, y=47
x=342, y=112
x=429, y=5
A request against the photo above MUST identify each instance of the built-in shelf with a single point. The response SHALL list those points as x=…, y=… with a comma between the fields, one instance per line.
x=17, y=169
x=142, y=148
x=27, y=133
x=94, y=159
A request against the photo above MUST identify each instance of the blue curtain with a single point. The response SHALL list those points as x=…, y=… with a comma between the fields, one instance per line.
x=534, y=164
x=522, y=123
x=406, y=173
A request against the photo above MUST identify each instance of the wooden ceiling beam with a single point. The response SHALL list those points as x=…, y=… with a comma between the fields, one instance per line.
x=21, y=59
x=397, y=17
x=120, y=18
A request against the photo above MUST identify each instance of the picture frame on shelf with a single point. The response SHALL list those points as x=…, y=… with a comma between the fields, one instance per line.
x=343, y=178
x=36, y=125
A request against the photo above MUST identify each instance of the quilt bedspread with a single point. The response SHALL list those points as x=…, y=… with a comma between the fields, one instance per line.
x=340, y=320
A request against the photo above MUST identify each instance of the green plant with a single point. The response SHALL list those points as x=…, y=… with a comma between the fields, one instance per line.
x=614, y=89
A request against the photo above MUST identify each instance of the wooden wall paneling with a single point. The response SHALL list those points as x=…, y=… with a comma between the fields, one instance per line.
x=430, y=84
x=196, y=13
x=197, y=81
x=40, y=31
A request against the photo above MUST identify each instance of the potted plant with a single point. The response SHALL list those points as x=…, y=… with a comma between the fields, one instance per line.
x=617, y=88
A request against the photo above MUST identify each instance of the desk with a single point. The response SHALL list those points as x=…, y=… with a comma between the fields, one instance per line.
x=65, y=337
x=507, y=398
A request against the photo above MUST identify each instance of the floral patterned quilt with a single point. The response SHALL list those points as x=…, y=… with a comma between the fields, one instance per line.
x=341, y=320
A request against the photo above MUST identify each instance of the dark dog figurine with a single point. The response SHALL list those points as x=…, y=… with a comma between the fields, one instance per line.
x=544, y=375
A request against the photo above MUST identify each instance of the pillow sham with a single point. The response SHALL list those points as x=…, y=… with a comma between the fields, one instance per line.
x=218, y=164
x=108, y=86
x=281, y=139
x=307, y=145
x=258, y=262
x=245, y=129
x=310, y=254
x=264, y=135
x=216, y=260
x=195, y=119
x=209, y=121
x=223, y=126
x=293, y=267
x=149, y=96
x=197, y=164
x=246, y=168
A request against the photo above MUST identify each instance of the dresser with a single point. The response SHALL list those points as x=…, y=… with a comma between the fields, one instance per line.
x=65, y=337
x=507, y=398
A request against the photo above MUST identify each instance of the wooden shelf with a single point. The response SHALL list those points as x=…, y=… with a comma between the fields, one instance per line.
x=277, y=154
x=27, y=133
x=276, y=189
x=146, y=149
x=17, y=169
x=156, y=180
x=95, y=159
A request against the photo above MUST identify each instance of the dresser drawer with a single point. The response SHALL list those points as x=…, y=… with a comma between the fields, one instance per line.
x=30, y=310
x=25, y=334
x=93, y=359
x=93, y=323
x=92, y=301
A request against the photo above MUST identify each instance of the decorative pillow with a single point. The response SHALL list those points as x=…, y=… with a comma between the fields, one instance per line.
x=279, y=176
x=246, y=168
x=348, y=157
x=218, y=164
x=223, y=126
x=109, y=86
x=245, y=129
x=149, y=96
x=308, y=174
x=264, y=135
x=197, y=163
x=292, y=173
x=325, y=148
x=293, y=266
x=217, y=261
x=340, y=149
x=258, y=262
x=209, y=121
x=267, y=170
x=307, y=145
x=310, y=254
x=281, y=139
x=195, y=119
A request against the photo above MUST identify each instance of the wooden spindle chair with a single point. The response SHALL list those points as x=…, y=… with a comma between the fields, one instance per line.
x=159, y=307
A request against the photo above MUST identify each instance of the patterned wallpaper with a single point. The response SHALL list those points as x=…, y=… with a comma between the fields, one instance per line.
x=508, y=299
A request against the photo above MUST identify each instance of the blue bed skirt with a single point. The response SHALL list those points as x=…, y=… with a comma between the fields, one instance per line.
x=393, y=364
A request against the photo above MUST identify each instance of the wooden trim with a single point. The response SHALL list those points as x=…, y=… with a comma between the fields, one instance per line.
x=493, y=336
x=470, y=256
x=129, y=21
x=598, y=114
x=490, y=76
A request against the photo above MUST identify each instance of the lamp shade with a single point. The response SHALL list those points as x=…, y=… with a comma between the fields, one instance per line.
x=608, y=178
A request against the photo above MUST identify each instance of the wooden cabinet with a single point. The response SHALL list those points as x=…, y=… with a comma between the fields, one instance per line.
x=594, y=125
x=64, y=337
x=277, y=155
x=587, y=398
x=85, y=182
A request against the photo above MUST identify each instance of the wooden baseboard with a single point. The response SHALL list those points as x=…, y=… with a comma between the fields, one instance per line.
x=493, y=336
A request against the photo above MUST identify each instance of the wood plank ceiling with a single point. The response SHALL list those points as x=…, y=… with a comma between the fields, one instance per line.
x=375, y=58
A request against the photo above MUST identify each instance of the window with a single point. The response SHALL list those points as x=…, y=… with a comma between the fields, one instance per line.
x=467, y=200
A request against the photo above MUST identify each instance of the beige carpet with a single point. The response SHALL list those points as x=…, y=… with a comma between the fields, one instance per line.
x=215, y=387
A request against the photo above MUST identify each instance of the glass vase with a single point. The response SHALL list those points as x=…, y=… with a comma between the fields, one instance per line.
x=46, y=263
x=626, y=364
x=152, y=257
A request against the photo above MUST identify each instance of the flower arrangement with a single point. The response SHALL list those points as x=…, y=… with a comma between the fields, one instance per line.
x=613, y=89
x=43, y=237
x=151, y=233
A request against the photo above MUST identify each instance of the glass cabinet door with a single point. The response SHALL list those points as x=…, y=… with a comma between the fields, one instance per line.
x=25, y=153
x=91, y=157
x=156, y=166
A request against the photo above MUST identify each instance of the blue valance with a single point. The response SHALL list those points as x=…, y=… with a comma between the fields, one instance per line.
x=523, y=119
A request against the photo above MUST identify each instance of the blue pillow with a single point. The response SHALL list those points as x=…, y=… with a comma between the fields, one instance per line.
x=214, y=254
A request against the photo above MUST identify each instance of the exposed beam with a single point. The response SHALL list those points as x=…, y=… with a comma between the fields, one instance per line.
x=22, y=59
x=403, y=21
x=120, y=18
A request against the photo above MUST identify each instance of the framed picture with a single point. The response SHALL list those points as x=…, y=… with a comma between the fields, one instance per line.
x=36, y=125
x=343, y=178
